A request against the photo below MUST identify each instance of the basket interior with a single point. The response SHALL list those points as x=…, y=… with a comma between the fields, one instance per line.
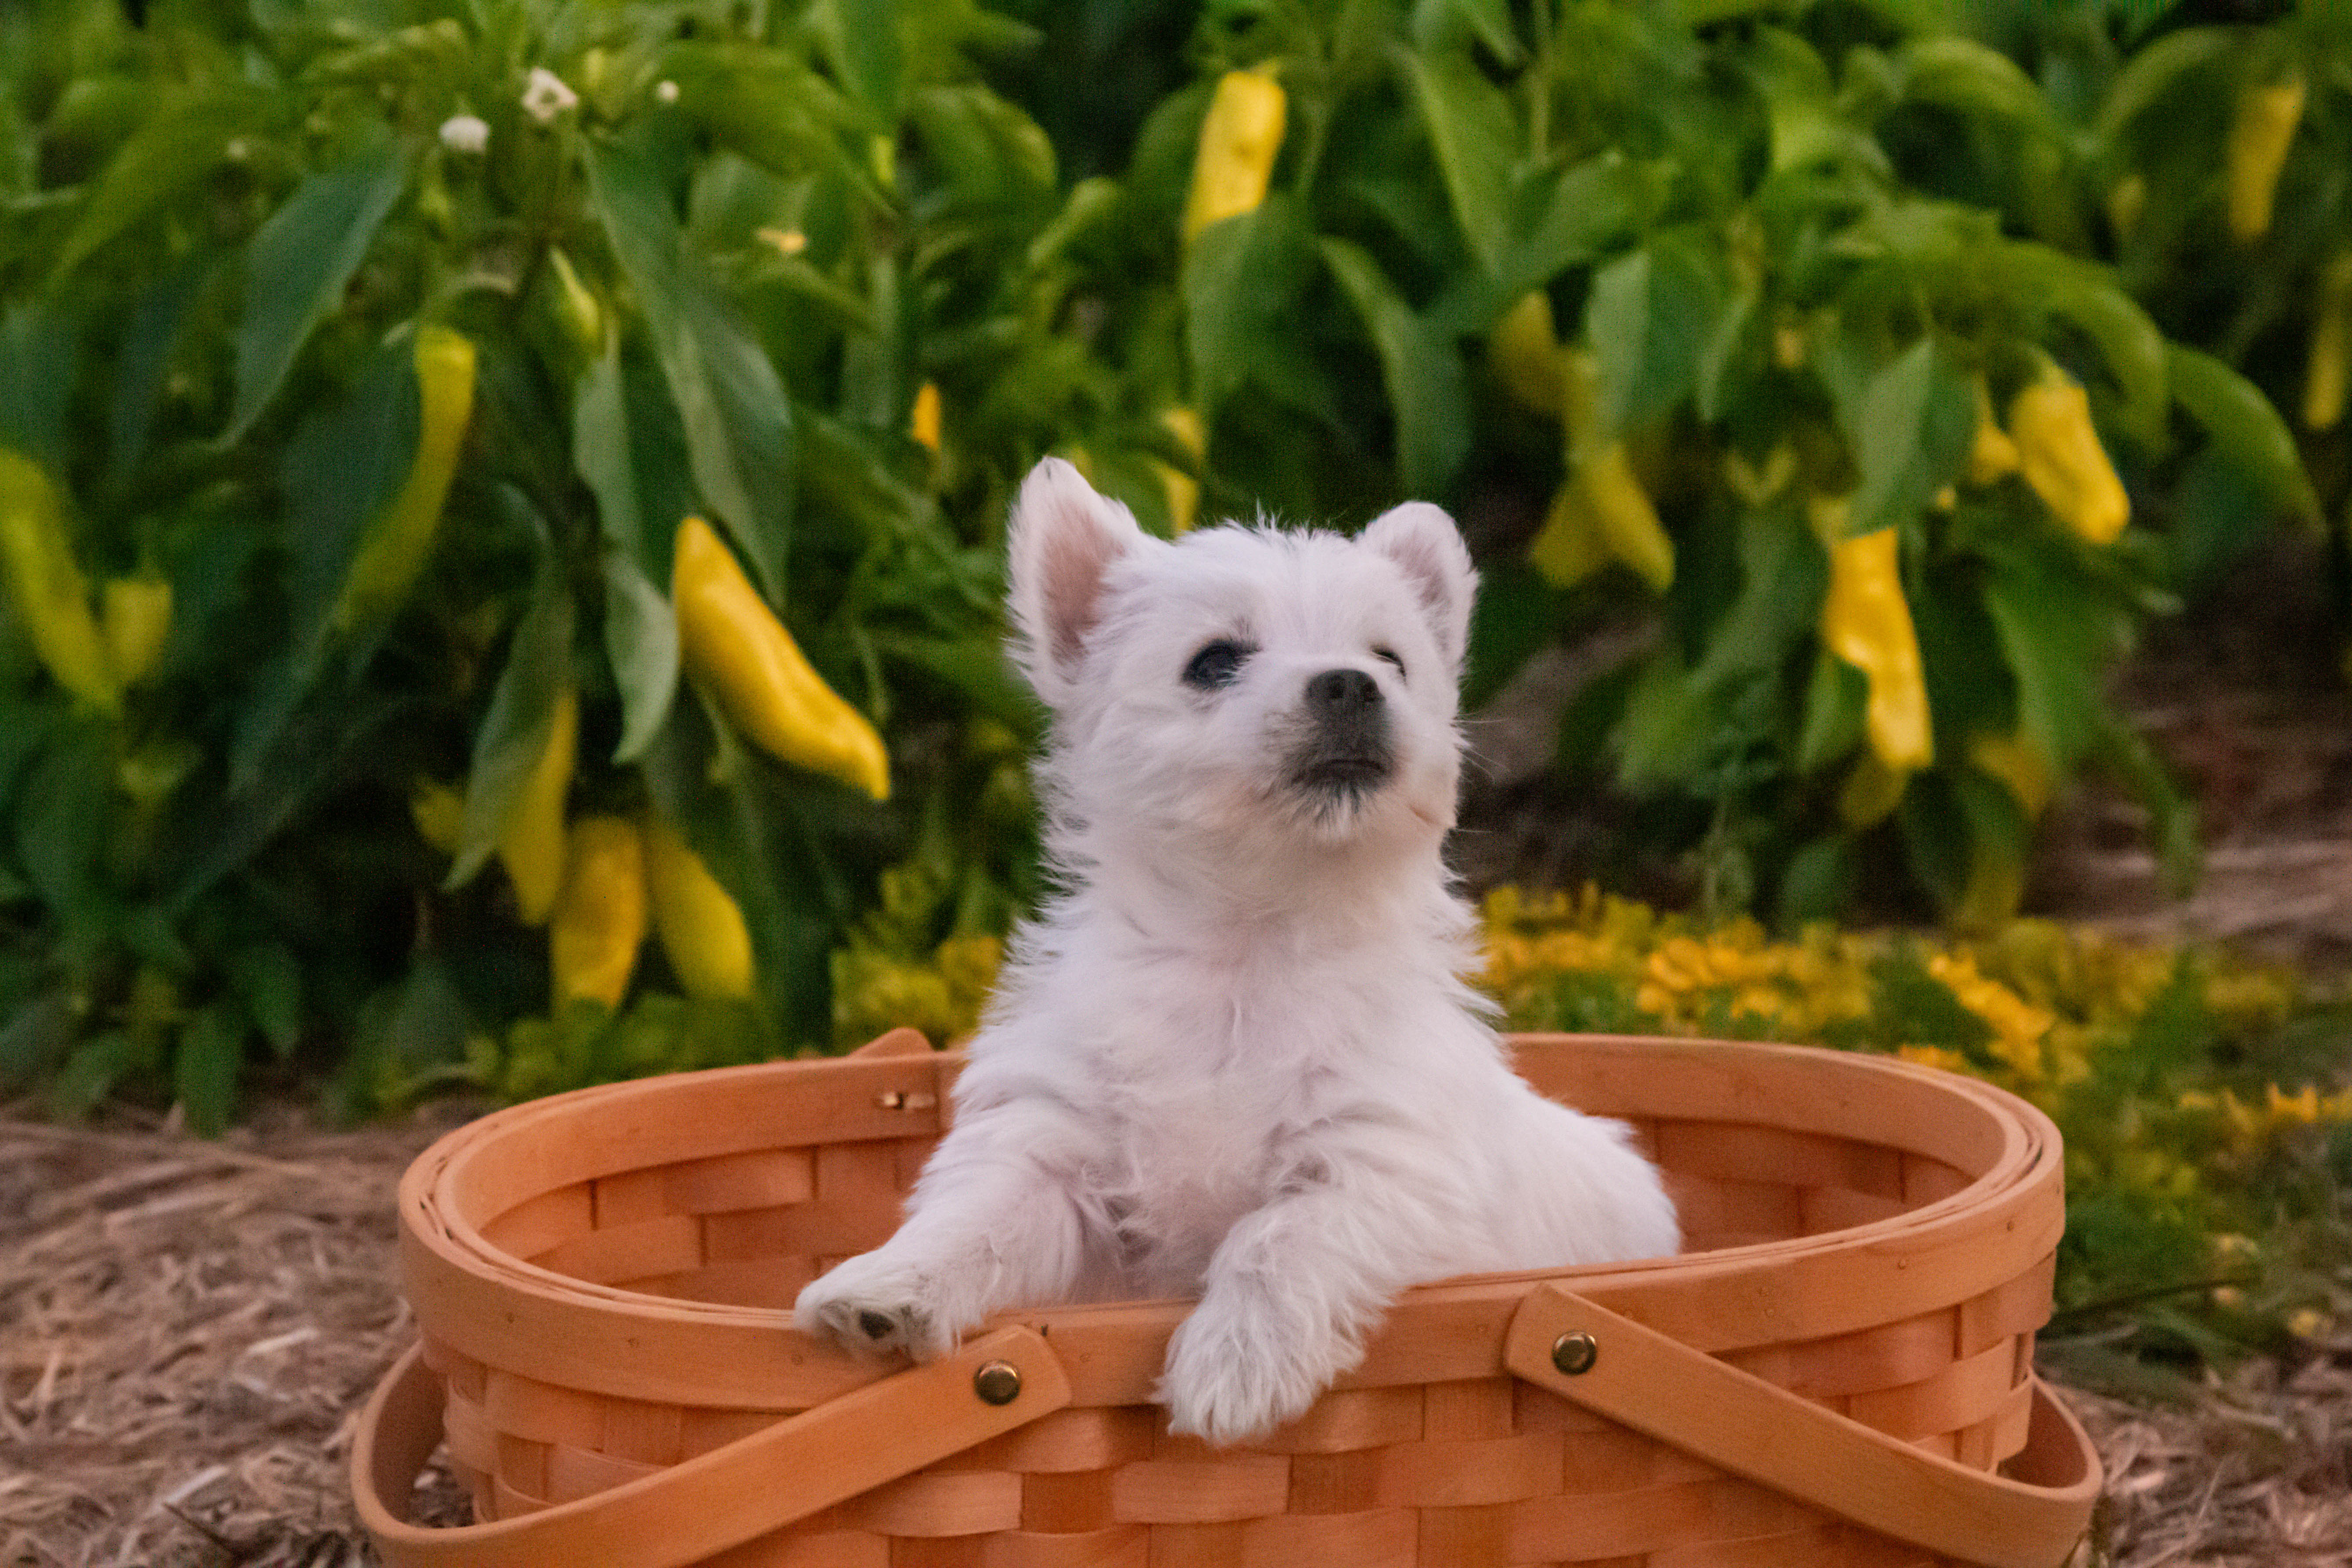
x=751, y=1226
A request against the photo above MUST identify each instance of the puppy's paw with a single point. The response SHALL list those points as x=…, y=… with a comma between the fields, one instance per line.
x=1236, y=1372
x=871, y=1307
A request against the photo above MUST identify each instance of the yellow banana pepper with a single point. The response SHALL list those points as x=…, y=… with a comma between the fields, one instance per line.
x=700, y=926
x=1866, y=622
x=1569, y=548
x=1870, y=790
x=2262, y=129
x=439, y=812
x=2059, y=453
x=1992, y=456
x=732, y=641
x=51, y=594
x=137, y=622
x=923, y=424
x=531, y=845
x=397, y=545
x=2016, y=763
x=2331, y=341
x=581, y=318
x=600, y=922
x=1238, y=144
x=1523, y=349
x=1607, y=489
x=1183, y=492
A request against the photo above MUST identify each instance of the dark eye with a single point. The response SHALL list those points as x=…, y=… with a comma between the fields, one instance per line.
x=1390, y=655
x=1217, y=665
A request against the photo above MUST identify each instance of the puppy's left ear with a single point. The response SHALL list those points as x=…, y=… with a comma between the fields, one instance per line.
x=1059, y=544
x=1422, y=539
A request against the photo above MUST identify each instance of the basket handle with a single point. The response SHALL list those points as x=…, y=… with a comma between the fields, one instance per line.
x=1738, y=1421
x=688, y=1511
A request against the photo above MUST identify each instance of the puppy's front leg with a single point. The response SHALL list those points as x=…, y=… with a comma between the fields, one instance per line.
x=991, y=1225
x=1291, y=1294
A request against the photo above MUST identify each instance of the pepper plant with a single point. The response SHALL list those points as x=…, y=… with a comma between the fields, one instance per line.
x=1807, y=392
x=383, y=352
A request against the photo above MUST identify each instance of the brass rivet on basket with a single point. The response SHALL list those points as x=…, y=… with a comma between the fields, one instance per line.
x=997, y=1383
x=1574, y=1353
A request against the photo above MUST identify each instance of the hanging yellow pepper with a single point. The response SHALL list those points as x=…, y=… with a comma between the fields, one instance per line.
x=1523, y=349
x=592, y=943
x=1870, y=790
x=1866, y=622
x=531, y=845
x=577, y=313
x=136, y=620
x=701, y=928
x=731, y=640
x=51, y=594
x=1992, y=456
x=923, y=424
x=1239, y=140
x=1182, y=491
x=1601, y=474
x=2331, y=341
x=2059, y=453
x=2016, y=763
x=439, y=812
x=2262, y=129
x=397, y=545
x=1569, y=548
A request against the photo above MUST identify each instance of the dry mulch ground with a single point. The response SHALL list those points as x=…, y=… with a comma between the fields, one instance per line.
x=187, y=1331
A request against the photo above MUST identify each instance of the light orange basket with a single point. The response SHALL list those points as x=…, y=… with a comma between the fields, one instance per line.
x=1839, y=1371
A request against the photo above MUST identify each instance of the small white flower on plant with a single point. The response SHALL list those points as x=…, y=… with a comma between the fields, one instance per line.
x=665, y=91
x=465, y=133
x=546, y=97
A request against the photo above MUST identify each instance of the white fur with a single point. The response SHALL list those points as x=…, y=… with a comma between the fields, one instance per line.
x=1234, y=1058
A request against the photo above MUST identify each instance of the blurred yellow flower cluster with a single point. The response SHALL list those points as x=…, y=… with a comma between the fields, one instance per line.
x=2250, y=1127
x=876, y=991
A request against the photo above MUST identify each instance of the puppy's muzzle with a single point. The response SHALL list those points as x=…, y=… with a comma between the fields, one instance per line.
x=1346, y=749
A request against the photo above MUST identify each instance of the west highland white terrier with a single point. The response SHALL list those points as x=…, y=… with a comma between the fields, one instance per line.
x=1234, y=1058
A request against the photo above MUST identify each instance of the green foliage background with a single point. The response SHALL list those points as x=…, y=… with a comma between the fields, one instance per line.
x=1792, y=237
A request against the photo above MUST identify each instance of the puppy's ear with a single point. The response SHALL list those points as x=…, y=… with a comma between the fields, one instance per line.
x=1422, y=539
x=1060, y=542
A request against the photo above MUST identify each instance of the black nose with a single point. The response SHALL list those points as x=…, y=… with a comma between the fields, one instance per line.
x=1338, y=692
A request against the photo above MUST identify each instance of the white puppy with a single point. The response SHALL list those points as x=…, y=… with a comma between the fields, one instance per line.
x=1234, y=1058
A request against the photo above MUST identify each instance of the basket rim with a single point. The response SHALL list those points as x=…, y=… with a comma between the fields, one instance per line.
x=2015, y=1208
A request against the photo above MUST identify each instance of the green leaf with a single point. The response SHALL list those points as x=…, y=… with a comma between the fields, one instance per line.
x=147, y=340
x=268, y=981
x=1473, y=132
x=38, y=362
x=601, y=452
x=862, y=37
x=1959, y=73
x=1428, y=391
x=205, y=1069
x=181, y=143
x=36, y=1036
x=1649, y=318
x=514, y=731
x=2054, y=633
x=1241, y=280
x=641, y=638
x=299, y=264
x=987, y=152
x=2245, y=431
x=91, y=1072
x=1515, y=614
x=2172, y=815
x=738, y=423
x=975, y=670
x=764, y=103
x=1910, y=432
x=1836, y=699
x=1818, y=881
x=61, y=816
x=2154, y=70
x=2089, y=299
x=1437, y=24
x=1784, y=574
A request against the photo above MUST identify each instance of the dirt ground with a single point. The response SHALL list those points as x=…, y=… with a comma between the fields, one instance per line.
x=187, y=1329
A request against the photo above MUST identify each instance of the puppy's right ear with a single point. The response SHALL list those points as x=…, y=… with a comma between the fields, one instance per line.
x=1061, y=541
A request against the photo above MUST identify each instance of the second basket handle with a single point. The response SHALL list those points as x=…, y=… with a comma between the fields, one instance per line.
x=1740, y=1422
x=691, y=1510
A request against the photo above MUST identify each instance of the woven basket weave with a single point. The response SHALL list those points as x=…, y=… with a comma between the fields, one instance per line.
x=1838, y=1370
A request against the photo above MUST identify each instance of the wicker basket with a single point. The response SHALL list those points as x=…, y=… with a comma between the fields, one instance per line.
x=1838, y=1372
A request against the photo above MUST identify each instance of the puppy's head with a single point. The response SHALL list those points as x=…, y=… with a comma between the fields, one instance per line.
x=1242, y=689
